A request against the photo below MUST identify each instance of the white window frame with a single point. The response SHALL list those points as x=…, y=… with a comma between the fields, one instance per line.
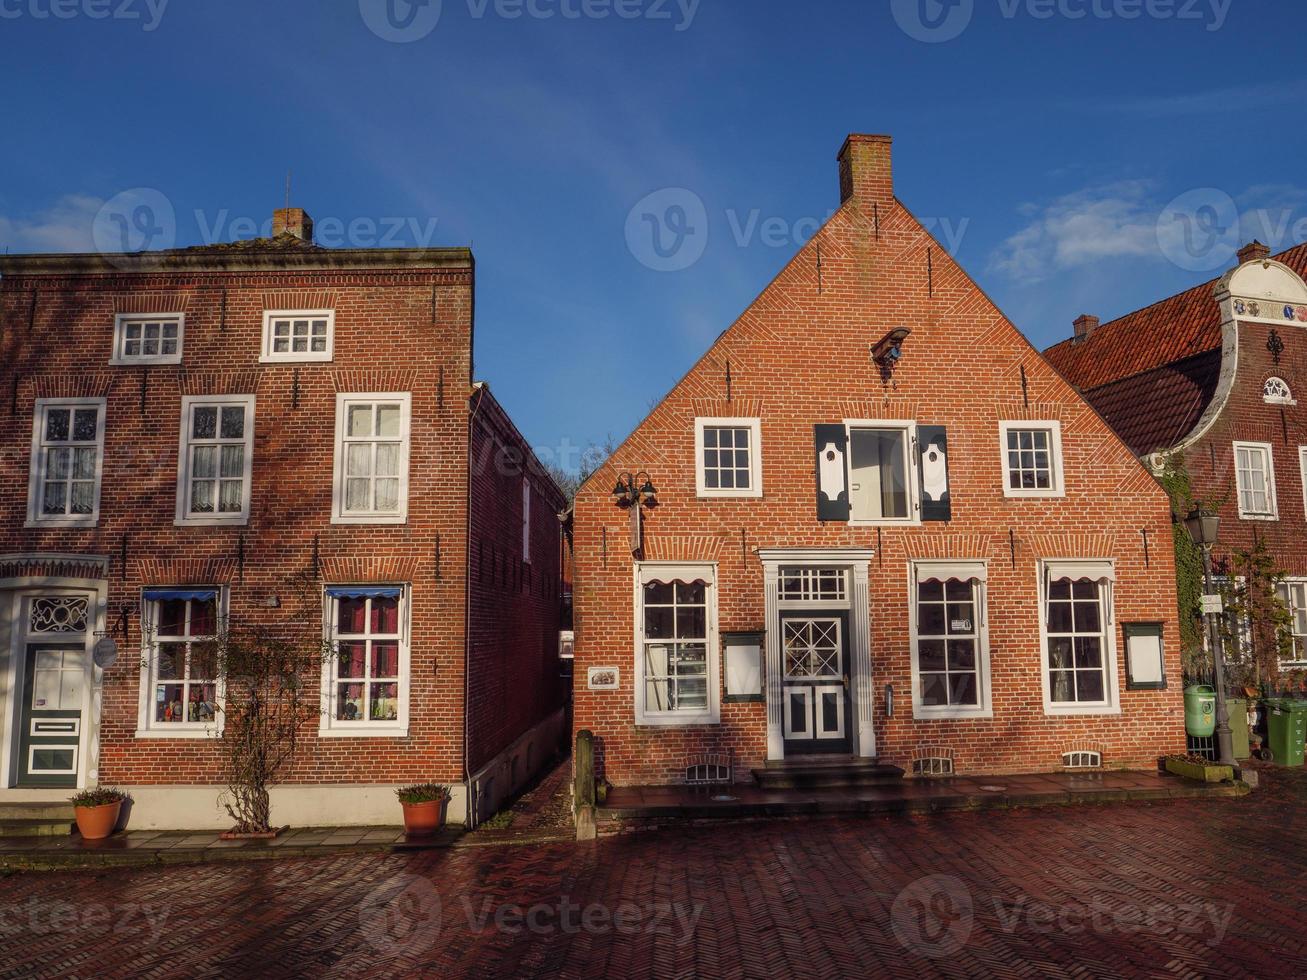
x=146, y=726
x=36, y=473
x=119, y=356
x=1272, y=497
x=329, y=726
x=711, y=715
x=1111, y=686
x=184, y=517
x=984, y=707
x=1056, y=469
x=909, y=428
x=343, y=401
x=754, y=425
x=1299, y=639
x=268, y=356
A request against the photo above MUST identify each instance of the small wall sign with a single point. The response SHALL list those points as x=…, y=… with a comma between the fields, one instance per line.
x=1145, y=661
x=1213, y=605
x=602, y=679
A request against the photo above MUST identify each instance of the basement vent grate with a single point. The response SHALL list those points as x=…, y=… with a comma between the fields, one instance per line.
x=932, y=766
x=1082, y=760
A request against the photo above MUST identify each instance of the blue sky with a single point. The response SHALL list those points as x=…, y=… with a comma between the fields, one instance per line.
x=1060, y=145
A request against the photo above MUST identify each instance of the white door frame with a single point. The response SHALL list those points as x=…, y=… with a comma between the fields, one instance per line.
x=857, y=562
x=13, y=592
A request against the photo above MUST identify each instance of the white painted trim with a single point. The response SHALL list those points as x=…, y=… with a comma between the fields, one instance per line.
x=183, y=516
x=754, y=425
x=1107, y=597
x=119, y=359
x=1302, y=470
x=679, y=719
x=909, y=426
x=343, y=401
x=35, y=480
x=146, y=726
x=1273, y=498
x=266, y=354
x=984, y=708
x=328, y=726
x=1054, y=428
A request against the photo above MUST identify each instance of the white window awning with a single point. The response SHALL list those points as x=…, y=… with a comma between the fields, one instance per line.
x=687, y=574
x=952, y=571
x=1080, y=571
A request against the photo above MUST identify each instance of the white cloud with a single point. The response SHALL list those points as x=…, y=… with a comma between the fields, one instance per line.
x=63, y=227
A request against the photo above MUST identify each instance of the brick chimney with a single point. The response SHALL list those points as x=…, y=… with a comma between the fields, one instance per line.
x=292, y=221
x=866, y=172
x=1085, y=325
x=1254, y=251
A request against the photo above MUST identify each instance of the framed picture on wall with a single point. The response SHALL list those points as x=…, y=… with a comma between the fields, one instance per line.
x=1144, y=660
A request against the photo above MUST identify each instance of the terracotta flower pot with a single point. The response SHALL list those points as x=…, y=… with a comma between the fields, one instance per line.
x=97, y=822
x=421, y=819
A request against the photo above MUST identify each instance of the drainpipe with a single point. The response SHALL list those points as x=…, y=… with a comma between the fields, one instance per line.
x=480, y=389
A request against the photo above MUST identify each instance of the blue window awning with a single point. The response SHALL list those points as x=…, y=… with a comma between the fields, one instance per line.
x=161, y=595
x=364, y=591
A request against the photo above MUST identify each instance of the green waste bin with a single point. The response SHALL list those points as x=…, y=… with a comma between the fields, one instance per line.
x=1286, y=727
x=1200, y=710
x=1238, y=708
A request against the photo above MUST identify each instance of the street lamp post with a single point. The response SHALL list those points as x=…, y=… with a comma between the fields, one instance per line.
x=1204, y=526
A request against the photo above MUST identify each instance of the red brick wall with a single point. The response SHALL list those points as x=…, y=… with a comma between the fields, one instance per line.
x=385, y=340
x=800, y=356
x=516, y=603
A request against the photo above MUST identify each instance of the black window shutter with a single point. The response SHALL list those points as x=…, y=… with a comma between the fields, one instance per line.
x=932, y=467
x=832, y=446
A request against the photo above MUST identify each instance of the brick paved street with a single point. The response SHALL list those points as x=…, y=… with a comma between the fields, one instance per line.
x=1178, y=889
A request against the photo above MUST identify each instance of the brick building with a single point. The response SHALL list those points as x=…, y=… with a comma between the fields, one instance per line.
x=1212, y=377
x=191, y=436
x=885, y=529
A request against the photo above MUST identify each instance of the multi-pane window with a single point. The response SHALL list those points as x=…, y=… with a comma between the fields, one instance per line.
x=298, y=335
x=948, y=644
x=799, y=584
x=67, y=444
x=216, y=447
x=371, y=480
x=879, y=478
x=154, y=339
x=1255, y=479
x=367, y=669
x=729, y=457
x=1031, y=459
x=674, y=653
x=181, y=658
x=1293, y=594
x=1077, y=642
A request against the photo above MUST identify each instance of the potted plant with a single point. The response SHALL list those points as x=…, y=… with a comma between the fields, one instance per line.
x=424, y=807
x=97, y=811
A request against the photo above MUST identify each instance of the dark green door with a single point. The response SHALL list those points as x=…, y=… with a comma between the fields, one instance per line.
x=54, y=688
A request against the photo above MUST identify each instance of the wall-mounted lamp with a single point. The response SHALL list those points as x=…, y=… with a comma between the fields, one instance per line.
x=889, y=349
x=889, y=700
x=637, y=489
x=105, y=652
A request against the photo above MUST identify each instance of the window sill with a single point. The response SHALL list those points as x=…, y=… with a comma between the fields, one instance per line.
x=63, y=524
x=296, y=358
x=380, y=731
x=192, y=734
x=922, y=713
x=1033, y=494
x=212, y=521
x=1258, y=517
x=684, y=721
x=1054, y=711
x=145, y=361
x=378, y=519
x=730, y=494
x=892, y=522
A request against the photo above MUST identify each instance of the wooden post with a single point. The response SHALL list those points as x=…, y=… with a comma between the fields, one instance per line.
x=583, y=785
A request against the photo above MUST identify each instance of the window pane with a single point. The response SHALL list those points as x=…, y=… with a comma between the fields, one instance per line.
x=201, y=705
x=1089, y=651
x=1090, y=685
x=385, y=616
x=202, y=497
x=692, y=623
x=658, y=592
x=359, y=421
x=233, y=422
x=1059, y=652
x=962, y=689
x=351, y=615
x=84, y=424
x=385, y=702
x=358, y=459
x=1061, y=686
x=655, y=695
x=231, y=497
x=57, y=464
x=388, y=420
x=690, y=592
x=387, y=459
x=54, y=498
x=659, y=622
x=204, y=617
x=930, y=590
x=1088, y=617
x=83, y=464
x=204, y=662
x=204, y=424
x=356, y=494
x=934, y=689
x=692, y=694
x=233, y=461
x=930, y=621
x=83, y=498
x=962, y=655
x=171, y=661
x=385, y=660
x=930, y=654
x=349, y=702
x=387, y=496
x=351, y=661
x=1059, y=617
x=204, y=462
x=168, y=705
x=56, y=424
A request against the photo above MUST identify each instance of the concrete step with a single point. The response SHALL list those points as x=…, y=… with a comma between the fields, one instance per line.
x=819, y=774
x=22, y=810
x=35, y=828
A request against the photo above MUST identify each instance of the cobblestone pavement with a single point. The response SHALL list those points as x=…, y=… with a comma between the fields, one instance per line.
x=1187, y=888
